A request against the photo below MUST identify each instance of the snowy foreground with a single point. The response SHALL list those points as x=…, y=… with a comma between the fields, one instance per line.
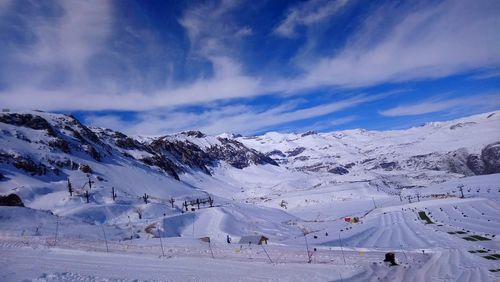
x=25, y=258
x=331, y=204
x=80, y=252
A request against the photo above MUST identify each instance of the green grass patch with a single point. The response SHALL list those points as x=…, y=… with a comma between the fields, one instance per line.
x=496, y=255
x=480, y=238
x=476, y=238
x=423, y=216
x=461, y=232
x=480, y=251
x=451, y=232
x=495, y=270
x=490, y=257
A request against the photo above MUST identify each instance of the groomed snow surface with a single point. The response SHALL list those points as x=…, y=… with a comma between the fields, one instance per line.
x=31, y=251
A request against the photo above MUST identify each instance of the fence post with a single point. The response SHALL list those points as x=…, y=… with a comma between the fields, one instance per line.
x=341, y=247
x=57, y=231
x=210, y=247
x=267, y=254
x=161, y=242
x=105, y=239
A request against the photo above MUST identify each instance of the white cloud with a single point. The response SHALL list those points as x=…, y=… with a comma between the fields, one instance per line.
x=342, y=120
x=4, y=4
x=486, y=75
x=70, y=40
x=441, y=104
x=244, y=31
x=234, y=118
x=308, y=13
x=422, y=42
x=426, y=42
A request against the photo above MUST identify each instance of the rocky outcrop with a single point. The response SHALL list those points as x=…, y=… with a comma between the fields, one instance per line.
x=61, y=144
x=277, y=153
x=475, y=164
x=27, y=120
x=237, y=155
x=460, y=161
x=12, y=200
x=388, y=165
x=163, y=163
x=295, y=152
x=338, y=170
x=490, y=155
x=185, y=152
x=194, y=133
x=172, y=154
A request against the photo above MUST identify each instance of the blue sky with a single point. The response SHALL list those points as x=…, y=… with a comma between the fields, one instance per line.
x=158, y=67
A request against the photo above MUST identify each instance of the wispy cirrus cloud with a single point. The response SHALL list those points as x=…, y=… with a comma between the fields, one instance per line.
x=495, y=73
x=232, y=118
x=69, y=59
x=306, y=14
x=63, y=38
x=418, y=42
x=484, y=102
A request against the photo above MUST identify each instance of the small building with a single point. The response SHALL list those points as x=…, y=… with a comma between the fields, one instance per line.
x=254, y=239
x=205, y=239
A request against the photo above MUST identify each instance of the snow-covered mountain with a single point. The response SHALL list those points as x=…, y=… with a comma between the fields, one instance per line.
x=51, y=147
x=40, y=153
x=421, y=155
x=284, y=186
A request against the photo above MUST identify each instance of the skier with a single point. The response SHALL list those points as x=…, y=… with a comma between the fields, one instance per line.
x=228, y=239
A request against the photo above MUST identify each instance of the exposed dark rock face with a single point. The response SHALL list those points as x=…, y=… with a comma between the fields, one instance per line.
x=460, y=161
x=461, y=124
x=85, y=168
x=192, y=156
x=195, y=133
x=324, y=167
x=60, y=144
x=127, y=143
x=475, y=164
x=389, y=165
x=276, y=153
x=28, y=165
x=238, y=155
x=295, y=152
x=338, y=170
x=12, y=200
x=308, y=133
x=29, y=121
x=123, y=141
x=85, y=132
x=163, y=163
x=491, y=158
x=66, y=163
x=93, y=152
x=185, y=152
x=349, y=165
x=301, y=158
x=25, y=120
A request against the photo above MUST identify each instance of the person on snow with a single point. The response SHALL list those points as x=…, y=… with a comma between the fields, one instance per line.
x=228, y=239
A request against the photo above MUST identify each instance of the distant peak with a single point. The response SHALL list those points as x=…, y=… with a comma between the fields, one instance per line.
x=194, y=133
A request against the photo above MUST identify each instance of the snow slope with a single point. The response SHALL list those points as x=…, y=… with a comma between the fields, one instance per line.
x=390, y=180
